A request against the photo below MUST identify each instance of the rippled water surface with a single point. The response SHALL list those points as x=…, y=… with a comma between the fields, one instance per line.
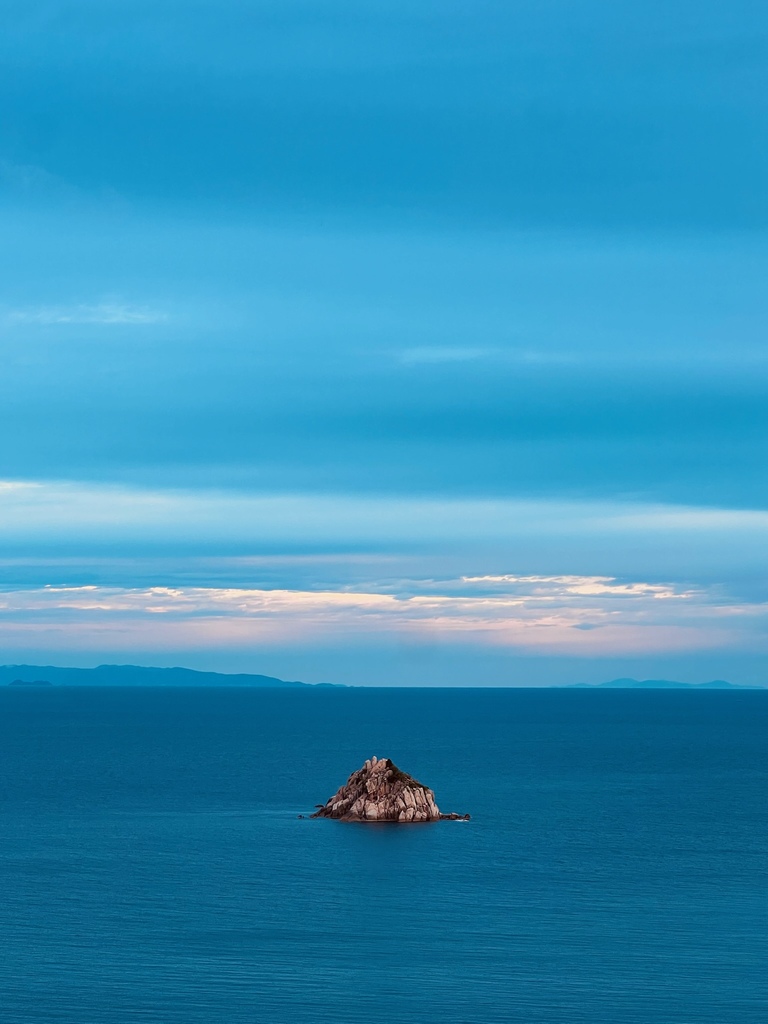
x=153, y=867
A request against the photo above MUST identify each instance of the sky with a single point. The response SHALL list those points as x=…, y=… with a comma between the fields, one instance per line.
x=386, y=343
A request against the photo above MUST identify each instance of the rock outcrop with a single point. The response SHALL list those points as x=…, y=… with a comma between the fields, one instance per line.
x=379, y=791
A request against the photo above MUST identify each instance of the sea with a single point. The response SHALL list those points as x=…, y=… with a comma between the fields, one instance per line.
x=157, y=863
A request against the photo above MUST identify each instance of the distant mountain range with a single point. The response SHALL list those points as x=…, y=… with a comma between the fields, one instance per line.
x=663, y=684
x=134, y=675
x=138, y=675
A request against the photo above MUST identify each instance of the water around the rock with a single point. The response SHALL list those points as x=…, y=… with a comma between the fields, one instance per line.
x=153, y=869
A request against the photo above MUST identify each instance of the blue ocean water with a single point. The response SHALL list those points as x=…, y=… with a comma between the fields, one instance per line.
x=153, y=867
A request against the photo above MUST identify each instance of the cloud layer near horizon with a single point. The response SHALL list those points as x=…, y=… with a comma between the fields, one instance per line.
x=207, y=572
x=594, y=616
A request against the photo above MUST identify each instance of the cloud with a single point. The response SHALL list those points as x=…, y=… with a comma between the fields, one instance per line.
x=96, y=512
x=101, y=313
x=442, y=354
x=537, y=616
x=32, y=180
x=583, y=585
x=435, y=354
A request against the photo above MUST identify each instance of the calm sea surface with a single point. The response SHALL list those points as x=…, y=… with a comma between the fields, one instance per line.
x=153, y=868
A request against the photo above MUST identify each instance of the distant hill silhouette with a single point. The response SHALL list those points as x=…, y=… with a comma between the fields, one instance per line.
x=134, y=675
x=663, y=684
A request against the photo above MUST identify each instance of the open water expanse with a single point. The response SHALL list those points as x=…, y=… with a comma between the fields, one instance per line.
x=153, y=867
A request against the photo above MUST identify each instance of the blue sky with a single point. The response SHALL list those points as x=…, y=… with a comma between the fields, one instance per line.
x=386, y=343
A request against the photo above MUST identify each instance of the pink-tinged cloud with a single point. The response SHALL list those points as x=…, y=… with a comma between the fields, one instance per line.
x=558, y=614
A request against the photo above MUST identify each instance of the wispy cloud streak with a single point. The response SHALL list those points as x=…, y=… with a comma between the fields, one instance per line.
x=92, y=512
x=101, y=313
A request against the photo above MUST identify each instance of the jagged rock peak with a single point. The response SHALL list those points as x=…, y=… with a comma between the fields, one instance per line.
x=379, y=791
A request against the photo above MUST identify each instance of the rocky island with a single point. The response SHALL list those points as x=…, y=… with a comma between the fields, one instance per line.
x=379, y=791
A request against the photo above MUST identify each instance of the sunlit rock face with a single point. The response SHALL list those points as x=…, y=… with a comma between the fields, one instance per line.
x=379, y=791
